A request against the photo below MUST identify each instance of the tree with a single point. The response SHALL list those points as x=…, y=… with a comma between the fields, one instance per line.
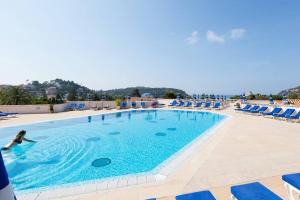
x=95, y=97
x=15, y=95
x=292, y=96
x=251, y=97
x=135, y=93
x=72, y=96
x=170, y=95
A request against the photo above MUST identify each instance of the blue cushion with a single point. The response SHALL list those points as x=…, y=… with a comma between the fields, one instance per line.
x=262, y=109
x=3, y=174
x=203, y=195
x=292, y=179
x=253, y=191
x=152, y=199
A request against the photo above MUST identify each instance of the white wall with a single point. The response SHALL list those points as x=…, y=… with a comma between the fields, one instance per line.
x=45, y=108
x=96, y=104
x=26, y=109
x=59, y=107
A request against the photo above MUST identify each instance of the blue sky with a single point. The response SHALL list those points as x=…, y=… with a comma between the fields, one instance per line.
x=213, y=46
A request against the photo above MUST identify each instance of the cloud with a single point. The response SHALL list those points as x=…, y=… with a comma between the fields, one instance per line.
x=213, y=37
x=193, y=38
x=237, y=33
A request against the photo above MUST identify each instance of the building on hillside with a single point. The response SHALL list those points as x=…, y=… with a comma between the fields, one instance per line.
x=147, y=95
x=51, y=92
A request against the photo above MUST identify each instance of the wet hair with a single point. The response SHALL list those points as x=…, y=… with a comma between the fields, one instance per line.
x=21, y=133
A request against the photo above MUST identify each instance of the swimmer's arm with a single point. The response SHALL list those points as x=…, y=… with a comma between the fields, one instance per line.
x=8, y=146
x=28, y=140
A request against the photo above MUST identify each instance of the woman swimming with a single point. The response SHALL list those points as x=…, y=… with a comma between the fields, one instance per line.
x=20, y=137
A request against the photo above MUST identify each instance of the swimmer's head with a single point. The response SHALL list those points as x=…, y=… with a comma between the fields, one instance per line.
x=22, y=133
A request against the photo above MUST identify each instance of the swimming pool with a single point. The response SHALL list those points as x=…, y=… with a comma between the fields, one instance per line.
x=86, y=149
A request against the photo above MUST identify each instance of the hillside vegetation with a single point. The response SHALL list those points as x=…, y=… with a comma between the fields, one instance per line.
x=293, y=93
x=62, y=90
x=156, y=92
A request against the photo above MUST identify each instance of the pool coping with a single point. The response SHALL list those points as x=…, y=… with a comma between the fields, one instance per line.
x=155, y=176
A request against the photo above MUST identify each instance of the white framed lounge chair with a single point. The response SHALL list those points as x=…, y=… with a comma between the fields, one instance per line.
x=255, y=191
x=292, y=185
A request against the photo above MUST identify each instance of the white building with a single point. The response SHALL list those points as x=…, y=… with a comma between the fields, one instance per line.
x=51, y=92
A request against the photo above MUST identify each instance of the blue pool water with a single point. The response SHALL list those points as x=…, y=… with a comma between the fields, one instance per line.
x=83, y=149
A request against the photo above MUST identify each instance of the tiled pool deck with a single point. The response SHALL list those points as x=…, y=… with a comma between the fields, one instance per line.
x=242, y=149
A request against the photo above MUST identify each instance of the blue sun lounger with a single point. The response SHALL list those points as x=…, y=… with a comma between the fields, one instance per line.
x=181, y=103
x=133, y=104
x=81, y=106
x=247, y=107
x=297, y=116
x=275, y=110
x=123, y=105
x=188, y=104
x=286, y=113
x=143, y=104
x=253, y=108
x=292, y=183
x=3, y=115
x=198, y=105
x=203, y=195
x=216, y=105
x=207, y=105
x=253, y=191
x=261, y=110
x=71, y=106
x=7, y=114
x=174, y=103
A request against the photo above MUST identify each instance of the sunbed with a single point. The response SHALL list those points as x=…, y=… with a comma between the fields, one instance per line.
x=9, y=114
x=133, y=104
x=247, y=107
x=71, y=106
x=274, y=111
x=217, y=105
x=261, y=110
x=81, y=106
x=173, y=103
x=288, y=112
x=181, y=103
x=202, y=195
x=292, y=184
x=198, y=105
x=207, y=105
x=123, y=105
x=253, y=108
x=188, y=104
x=3, y=116
x=253, y=191
x=294, y=117
x=143, y=104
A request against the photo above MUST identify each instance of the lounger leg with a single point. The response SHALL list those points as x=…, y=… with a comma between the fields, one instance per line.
x=290, y=191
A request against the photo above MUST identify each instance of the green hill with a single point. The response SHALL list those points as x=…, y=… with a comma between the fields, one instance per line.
x=156, y=92
x=292, y=93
